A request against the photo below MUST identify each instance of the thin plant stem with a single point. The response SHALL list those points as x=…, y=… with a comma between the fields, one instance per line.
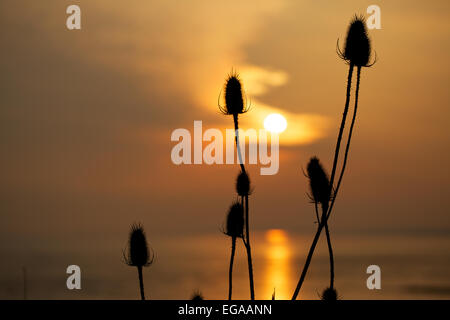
x=330, y=251
x=236, y=136
x=341, y=130
x=245, y=204
x=324, y=218
x=347, y=148
x=249, y=251
x=141, y=282
x=330, y=247
x=308, y=261
x=230, y=274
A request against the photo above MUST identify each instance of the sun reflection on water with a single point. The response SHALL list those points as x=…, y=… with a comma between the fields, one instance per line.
x=277, y=256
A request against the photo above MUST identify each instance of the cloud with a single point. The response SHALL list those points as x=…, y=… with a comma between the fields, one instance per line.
x=302, y=128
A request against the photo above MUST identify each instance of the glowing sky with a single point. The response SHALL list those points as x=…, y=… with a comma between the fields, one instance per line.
x=86, y=115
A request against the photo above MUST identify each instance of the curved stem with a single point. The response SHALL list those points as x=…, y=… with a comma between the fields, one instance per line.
x=307, y=262
x=141, y=282
x=333, y=172
x=230, y=274
x=347, y=148
x=249, y=251
x=330, y=251
x=236, y=136
x=330, y=248
x=247, y=228
x=341, y=130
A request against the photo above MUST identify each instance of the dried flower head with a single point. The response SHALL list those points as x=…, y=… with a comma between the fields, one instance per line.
x=138, y=254
x=329, y=294
x=197, y=296
x=318, y=182
x=235, y=221
x=243, y=184
x=234, y=96
x=357, y=50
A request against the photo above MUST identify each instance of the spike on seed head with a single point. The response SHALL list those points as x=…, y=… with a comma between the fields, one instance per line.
x=235, y=221
x=234, y=96
x=138, y=254
x=329, y=294
x=357, y=50
x=243, y=184
x=318, y=182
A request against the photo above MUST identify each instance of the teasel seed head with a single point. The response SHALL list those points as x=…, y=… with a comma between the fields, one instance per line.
x=318, y=182
x=243, y=184
x=235, y=221
x=197, y=296
x=357, y=49
x=138, y=253
x=234, y=96
x=329, y=294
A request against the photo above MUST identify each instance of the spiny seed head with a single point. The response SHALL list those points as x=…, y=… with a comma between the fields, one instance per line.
x=234, y=97
x=138, y=254
x=357, y=50
x=197, y=296
x=318, y=182
x=329, y=294
x=243, y=184
x=235, y=221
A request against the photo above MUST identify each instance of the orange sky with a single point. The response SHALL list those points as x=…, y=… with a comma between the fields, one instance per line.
x=86, y=115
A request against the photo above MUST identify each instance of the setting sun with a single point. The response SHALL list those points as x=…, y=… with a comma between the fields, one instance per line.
x=275, y=122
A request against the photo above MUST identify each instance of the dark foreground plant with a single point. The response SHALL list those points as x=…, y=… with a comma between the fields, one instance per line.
x=138, y=254
x=197, y=296
x=329, y=294
x=235, y=104
x=357, y=52
x=234, y=229
x=243, y=190
x=320, y=194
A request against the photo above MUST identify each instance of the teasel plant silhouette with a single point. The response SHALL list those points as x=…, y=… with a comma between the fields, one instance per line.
x=236, y=104
x=320, y=194
x=243, y=190
x=357, y=52
x=329, y=294
x=234, y=228
x=197, y=296
x=138, y=254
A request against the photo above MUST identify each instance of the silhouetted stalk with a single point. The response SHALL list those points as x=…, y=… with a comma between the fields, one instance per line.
x=341, y=130
x=323, y=220
x=141, y=282
x=236, y=136
x=234, y=229
x=330, y=248
x=347, y=148
x=245, y=204
x=230, y=274
x=249, y=250
x=330, y=251
x=235, y=105
x=308, y=261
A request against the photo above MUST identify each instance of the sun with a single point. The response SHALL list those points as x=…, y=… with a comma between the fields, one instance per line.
x=275, y=122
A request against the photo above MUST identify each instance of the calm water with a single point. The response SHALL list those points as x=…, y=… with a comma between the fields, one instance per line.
x=412, y=267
